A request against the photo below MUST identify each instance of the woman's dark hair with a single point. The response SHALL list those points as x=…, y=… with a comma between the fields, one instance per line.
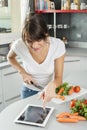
x=35, y=28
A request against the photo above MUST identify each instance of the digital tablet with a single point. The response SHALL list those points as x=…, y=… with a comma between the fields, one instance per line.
x=34, y=115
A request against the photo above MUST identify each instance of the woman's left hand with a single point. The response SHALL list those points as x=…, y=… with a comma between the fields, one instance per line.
x=48, y=93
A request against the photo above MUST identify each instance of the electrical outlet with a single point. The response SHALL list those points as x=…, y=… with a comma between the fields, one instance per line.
x=78, y=35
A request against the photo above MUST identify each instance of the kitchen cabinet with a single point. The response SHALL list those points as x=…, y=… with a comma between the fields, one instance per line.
x=1, y=99
x=11, y=83
x=72, y=63
x=75, y=70
x=58, y=24
x=67, y=24
x=85, y=63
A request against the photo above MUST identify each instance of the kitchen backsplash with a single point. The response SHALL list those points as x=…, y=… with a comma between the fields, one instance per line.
x=78, y=27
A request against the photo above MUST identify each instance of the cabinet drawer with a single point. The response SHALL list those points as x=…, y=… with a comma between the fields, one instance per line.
x=72, y=64
x=72, y=59
x=1, y=98
x=11, y=83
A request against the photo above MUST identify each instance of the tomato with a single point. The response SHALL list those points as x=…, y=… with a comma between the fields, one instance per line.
x=76, y=89
x=85, y=101
x=72, y=103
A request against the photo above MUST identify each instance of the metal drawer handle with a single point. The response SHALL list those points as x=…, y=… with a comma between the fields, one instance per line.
x=10, y=73
x=12, y=98
x=72, y=61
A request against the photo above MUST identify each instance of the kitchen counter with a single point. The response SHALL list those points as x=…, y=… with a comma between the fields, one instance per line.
x=7, y=64
x=8, y=115
x=75, y=51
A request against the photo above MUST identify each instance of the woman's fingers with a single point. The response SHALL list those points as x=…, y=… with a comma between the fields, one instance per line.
x=41, y=95
x=44, y=102
x=30, y=81
x=27, y=81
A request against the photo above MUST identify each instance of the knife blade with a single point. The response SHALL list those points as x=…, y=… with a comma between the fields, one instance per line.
x=37, y=86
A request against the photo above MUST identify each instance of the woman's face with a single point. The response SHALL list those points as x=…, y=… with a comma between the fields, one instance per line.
x=37, y=46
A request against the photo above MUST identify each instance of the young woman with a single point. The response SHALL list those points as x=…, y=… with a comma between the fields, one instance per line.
x=42, y=57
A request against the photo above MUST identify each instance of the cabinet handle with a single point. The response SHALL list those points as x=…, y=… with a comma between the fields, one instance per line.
x=12, y=98
x=10, y=73
x=72, y=61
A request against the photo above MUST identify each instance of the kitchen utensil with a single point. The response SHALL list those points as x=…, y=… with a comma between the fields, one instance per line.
x=37, y=86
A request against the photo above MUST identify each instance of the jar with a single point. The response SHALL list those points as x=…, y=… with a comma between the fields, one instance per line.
x=65, y=4
x=77, y=4
x=83, y=6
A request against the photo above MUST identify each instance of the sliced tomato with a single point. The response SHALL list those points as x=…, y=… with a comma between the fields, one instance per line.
x=77, y=89
x=85, y=101
x=72, y=103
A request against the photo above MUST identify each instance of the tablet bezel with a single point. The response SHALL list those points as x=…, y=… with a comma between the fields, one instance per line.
x=33, y=123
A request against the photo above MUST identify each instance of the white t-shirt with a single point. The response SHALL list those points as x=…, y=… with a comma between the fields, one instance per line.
x=43, y=73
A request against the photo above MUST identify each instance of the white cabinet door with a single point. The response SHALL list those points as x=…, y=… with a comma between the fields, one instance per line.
x=75, y=70
x=11, y=85
x=1, y=99
x=72, y=64
x=85, y=63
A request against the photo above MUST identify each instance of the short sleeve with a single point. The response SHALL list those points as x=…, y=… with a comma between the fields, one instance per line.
x=60, y=49
x=18, y=47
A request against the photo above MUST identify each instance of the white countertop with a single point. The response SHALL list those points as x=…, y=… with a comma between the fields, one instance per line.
x=8, y=115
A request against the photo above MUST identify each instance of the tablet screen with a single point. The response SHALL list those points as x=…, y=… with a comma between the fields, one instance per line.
x=34, y=115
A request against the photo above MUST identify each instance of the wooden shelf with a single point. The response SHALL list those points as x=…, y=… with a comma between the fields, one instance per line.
x=61, y=11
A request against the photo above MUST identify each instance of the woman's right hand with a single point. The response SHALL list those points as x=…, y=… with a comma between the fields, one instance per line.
x=27, y=78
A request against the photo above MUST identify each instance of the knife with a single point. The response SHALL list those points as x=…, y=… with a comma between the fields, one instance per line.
x=41, y=88
x=37, y=86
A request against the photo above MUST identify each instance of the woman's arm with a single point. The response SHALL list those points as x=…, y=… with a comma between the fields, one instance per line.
x=49, y=91
x=58, y=70
x=12, y=59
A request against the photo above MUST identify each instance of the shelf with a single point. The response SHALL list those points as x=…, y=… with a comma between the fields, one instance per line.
x=61, y=11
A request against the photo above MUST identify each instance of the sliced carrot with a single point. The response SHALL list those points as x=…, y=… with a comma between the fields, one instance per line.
x=63, y=114
x=70, y=91
x=81, y=118
x=68, y=120
x=60, y=91
x=75, y=114
x=60, y=96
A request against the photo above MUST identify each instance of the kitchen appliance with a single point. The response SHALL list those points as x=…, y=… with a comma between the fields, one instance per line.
x=37, y=86
x=3, y=59
x=4, y=49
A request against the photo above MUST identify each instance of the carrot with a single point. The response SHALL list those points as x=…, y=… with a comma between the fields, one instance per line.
x=75, y=114
x=81, y=118
x=70, y=91
x=60, y=96
x=63, y=114
x=68, y=120
x=60, y=91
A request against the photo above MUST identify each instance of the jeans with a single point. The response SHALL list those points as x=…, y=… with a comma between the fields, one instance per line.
x=27, y=92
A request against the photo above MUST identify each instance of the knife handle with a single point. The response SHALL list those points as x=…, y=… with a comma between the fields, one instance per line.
x=31, y=82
